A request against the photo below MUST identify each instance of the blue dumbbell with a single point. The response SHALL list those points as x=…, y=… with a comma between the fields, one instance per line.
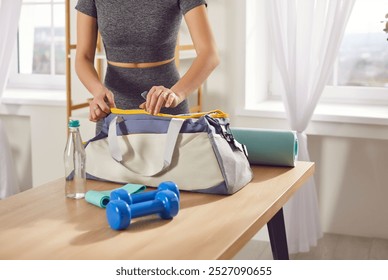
x=119, y=213
x=121, y=194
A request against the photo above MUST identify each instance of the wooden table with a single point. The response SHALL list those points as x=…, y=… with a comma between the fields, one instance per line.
x=42, y=224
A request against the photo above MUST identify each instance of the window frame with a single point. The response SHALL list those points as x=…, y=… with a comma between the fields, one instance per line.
x=36, y=81
x=268, y=88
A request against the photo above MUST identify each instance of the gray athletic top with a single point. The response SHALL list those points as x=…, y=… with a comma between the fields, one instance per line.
x=139, y=31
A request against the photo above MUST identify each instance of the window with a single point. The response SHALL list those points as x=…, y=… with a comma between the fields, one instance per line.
x=39, y=59
x=363, y=56
x=359, y=74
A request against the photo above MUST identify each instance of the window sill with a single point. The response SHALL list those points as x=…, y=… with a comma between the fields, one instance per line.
x=27, y=96
x=326, y=112
x=342, y=120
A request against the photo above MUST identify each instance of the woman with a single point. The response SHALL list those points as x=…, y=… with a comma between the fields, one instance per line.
x=139, y=39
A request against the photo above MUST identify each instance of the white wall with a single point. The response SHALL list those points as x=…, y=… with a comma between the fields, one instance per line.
x=350, y=165
x=352, y=184
x=19, y=136
x=37, y=135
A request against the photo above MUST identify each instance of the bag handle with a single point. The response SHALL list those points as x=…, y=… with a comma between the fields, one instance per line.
x=172, y=137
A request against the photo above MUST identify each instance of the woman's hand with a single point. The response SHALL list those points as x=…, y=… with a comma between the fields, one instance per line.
x=158, y=97
x=100, y=105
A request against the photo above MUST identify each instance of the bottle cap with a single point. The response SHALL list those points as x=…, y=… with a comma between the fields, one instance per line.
x=73, y=123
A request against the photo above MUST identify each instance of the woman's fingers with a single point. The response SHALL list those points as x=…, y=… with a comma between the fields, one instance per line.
x=161, y=101
x=95, y=113
x=158, y=97
x=173, y=100
x=152, y=98
x=100, y=106
x=110, y=99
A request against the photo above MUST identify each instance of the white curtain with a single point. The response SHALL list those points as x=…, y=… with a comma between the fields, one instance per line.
x=9, y=19
x=306, y=36
x=9, y=184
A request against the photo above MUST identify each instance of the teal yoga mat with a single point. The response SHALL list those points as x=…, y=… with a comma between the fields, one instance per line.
x=101, y=198
x=268, y=147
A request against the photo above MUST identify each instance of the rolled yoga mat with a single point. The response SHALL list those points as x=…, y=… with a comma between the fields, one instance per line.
x=101, y=198
x=268, y=147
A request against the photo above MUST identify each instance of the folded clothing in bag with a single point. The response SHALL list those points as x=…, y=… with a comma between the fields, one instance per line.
x=195, y=151
x=268, y=147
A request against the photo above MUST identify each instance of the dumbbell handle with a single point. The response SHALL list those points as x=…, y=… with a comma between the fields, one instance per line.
x=146, y=208
x=150, y=195
x=145, y=196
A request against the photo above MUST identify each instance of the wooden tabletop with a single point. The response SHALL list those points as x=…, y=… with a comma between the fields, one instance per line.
x=41, y=223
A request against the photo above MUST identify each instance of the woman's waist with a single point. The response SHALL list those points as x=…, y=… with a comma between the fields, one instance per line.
x=140, y=64
x=139, y=57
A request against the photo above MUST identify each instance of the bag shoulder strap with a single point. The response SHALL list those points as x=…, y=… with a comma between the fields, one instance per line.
x=172, y=137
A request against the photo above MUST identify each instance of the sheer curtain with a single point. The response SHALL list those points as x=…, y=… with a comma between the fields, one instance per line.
x=9, y=19
x=306, y=36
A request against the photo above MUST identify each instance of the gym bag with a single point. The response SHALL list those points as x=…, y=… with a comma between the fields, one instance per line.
x=196, y=151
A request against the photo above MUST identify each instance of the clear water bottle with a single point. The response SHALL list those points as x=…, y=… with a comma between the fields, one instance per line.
x=74, y=159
